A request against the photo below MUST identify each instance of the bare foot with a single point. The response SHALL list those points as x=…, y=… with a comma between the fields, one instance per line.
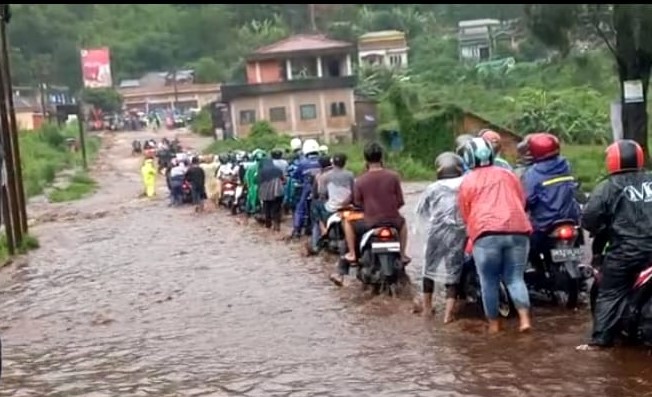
x=449, y=318
x=525, y=328
x=588, y=348
x=494, y=326
x=349, y=257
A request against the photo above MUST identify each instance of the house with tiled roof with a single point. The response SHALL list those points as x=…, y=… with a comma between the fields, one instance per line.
x=303, y=85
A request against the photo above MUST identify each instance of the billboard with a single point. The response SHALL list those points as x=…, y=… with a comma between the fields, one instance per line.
x=96, y=68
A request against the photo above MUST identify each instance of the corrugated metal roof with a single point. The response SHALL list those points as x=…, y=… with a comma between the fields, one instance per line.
x=129, y=83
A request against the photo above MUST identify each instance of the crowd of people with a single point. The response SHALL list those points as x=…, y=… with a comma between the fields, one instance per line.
x=480, y=208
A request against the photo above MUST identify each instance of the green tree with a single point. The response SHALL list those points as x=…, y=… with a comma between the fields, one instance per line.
x=107, y=99
x=626, y=30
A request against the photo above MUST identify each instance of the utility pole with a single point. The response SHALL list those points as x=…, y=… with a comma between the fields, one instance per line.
x=12, y=205
x=82, y=137
x=14, y=125
x=313, y=20
x=176, y=90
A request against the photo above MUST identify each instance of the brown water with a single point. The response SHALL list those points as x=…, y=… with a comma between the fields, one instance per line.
x=132, y=298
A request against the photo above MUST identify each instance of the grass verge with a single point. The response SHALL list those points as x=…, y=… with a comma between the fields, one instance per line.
x=80, y=185
x=45, y=152
x=29, y=243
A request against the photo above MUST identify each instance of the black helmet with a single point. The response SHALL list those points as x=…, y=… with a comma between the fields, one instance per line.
x=449, y=165
x=523, y=153
x=277, y=153
x=460, y=140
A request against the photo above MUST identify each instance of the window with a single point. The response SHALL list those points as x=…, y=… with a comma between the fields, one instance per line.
x=308, y=112
x=338, y=109
x=395, y=60
x=247, y=117
x=277, y=114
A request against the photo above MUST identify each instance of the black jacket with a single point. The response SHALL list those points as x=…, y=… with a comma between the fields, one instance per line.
x=621, y=206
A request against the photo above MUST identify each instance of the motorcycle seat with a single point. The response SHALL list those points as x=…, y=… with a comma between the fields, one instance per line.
x=562, y=222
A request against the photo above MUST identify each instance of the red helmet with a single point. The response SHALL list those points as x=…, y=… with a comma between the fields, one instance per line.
x=543, y=146
x=624, y=155
x=492, y=137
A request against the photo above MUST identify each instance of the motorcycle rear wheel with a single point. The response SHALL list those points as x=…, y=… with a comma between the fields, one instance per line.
x=567, y=290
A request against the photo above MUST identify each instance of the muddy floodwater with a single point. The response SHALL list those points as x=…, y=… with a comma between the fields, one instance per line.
x=128, y=297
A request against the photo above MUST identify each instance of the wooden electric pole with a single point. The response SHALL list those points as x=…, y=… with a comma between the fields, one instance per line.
x=13, y=204
x=313, y=19
x=6, y=69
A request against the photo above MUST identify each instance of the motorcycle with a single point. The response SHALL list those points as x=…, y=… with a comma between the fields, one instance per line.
x=186, y=198
x=379, y=265
x=334, y=240
x=561, y=277
x=136, y=147
x=229, y=198
x=471, y=292
x=636, y=321
x=240, y=200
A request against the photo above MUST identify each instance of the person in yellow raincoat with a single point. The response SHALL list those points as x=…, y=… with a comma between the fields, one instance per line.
x=209, y=165
x=148, y=172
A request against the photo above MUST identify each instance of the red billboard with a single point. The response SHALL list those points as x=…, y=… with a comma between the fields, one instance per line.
x=96, y=68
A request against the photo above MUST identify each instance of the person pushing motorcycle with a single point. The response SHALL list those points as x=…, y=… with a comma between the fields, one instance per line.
x=550, y=192
x=621, y=208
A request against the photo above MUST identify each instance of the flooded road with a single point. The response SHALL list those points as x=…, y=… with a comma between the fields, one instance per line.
x=128, y=297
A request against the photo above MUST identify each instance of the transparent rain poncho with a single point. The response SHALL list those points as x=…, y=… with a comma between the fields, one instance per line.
x=439, y=218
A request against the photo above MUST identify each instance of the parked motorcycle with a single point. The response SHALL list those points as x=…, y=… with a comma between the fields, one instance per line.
x=561, y=276
x=379, y=265
x=636, y=321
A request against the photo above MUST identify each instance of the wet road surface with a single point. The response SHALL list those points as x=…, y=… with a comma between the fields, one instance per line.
x=128, y=297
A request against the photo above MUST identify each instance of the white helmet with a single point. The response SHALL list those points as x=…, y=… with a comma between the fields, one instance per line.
x=323, y=149
x=295, y=144
x=310, y=146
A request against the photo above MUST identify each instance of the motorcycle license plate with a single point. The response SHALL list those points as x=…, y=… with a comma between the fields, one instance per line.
x=566, y=254
x=229, y=193
x=393, y=246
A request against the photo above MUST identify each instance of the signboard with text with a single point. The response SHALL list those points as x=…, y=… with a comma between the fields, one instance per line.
x=96, y=68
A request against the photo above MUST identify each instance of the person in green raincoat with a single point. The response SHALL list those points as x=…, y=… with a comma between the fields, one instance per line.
x=251, y=181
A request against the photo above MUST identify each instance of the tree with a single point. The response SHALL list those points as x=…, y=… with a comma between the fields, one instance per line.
x=106, y=99
x=625, y=29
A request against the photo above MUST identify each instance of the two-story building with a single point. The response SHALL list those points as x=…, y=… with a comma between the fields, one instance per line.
x=387, y=47
x=303, y=85
x=477, y=38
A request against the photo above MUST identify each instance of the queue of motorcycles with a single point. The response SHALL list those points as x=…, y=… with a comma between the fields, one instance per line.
x=558, y=276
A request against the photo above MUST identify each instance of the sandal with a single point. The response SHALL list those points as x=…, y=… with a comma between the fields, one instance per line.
x=349, y=258
x=336, y=279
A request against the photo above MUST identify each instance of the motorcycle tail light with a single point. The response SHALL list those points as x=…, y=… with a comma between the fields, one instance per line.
x=384, y=233
x=566, y=232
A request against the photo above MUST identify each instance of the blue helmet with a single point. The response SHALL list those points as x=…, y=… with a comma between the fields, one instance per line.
x=477, y=152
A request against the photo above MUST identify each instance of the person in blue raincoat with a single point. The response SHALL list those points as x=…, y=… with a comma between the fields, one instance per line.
x=305, y=171
x=291, y=186
x=550, y=192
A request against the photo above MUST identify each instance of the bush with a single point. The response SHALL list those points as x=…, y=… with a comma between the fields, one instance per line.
x=44, y=152
x=203, y=123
